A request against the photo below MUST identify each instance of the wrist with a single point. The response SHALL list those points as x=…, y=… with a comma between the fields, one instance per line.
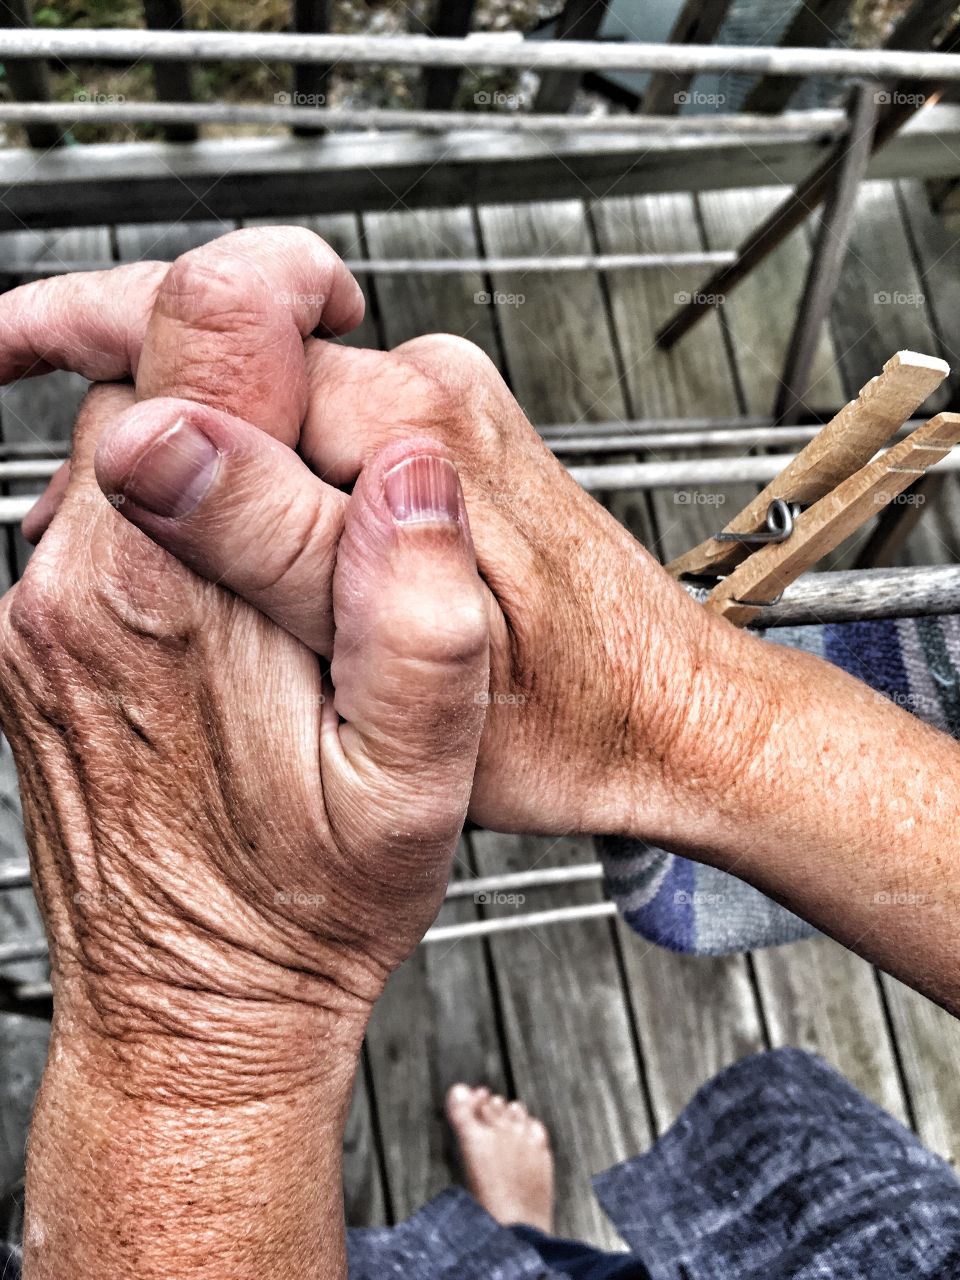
x=241, y=1178
x=701, y=718
x=152, y=1040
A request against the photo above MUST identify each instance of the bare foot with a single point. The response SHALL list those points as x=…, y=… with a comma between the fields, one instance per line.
x=506, y=1156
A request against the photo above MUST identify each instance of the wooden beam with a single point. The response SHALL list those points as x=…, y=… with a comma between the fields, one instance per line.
x=173, y=80
x=816, y=22
x=263, y=177
x=310, y=79
x=830, y=248
x=902, y=104
x=450, y=18
x=580, y=20
x=697, y=23
x=28, y=78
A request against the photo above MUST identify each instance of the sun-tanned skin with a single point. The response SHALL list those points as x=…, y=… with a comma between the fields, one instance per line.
x=613, y=704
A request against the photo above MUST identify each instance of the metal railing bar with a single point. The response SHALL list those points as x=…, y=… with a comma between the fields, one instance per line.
x=510, y=50
x=41, y=466
x=677, y=473
x=449, y=266
x=527, y=920
x=685, y=472
x=813, y=124
x=538, y=879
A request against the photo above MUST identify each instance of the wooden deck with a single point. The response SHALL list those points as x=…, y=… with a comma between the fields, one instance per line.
x=603, y=1036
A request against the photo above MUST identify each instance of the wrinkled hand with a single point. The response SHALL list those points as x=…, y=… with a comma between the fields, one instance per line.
x=213, y=828
x=603, y=674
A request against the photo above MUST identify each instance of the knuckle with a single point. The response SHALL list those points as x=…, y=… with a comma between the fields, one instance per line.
x=202, y=291
x=439, y=632
x=463, y=385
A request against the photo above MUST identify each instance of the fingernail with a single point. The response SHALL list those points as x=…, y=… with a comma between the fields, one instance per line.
x=423, y=488
x=174, y=474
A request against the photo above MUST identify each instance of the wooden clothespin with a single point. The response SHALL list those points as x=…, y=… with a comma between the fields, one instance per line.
x=829, y=489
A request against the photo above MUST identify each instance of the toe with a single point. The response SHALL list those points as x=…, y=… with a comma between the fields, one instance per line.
x=517, y=1112
x=492, y=1110
x=462, y=1103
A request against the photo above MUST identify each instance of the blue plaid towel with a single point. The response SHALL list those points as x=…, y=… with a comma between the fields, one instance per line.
x=693, y=908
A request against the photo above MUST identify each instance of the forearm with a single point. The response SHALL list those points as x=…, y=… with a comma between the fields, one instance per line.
x=132, y=1176
x=843, y=807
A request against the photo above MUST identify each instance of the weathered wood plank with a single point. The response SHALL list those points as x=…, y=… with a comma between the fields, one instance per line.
x=568, y=1031
x=760, y=311
x=557, y=342
x=819, y=996
x=435, y=1025
x=880, y=304
x=929, y=1042
x=695, y=1015
x=414, y=305
x=693, y=378
x=564, y=353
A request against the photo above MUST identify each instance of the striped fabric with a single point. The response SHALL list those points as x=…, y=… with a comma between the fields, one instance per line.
x=686, y=906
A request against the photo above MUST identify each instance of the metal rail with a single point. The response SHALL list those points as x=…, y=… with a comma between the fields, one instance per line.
x=812, y=124
x=683, y=474
x=507, y=50
x=444, y=266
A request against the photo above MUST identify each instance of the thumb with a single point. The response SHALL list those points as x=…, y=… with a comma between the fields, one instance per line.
x=410, y=662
